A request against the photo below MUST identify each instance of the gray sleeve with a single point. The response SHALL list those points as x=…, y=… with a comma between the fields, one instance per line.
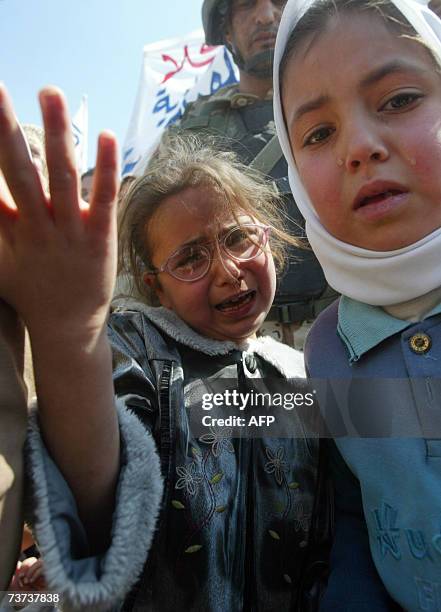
x=86, y=582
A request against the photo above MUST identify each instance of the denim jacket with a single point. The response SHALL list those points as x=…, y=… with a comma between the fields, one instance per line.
x=203, y=523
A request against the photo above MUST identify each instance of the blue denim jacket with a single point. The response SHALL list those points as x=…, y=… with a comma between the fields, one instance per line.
x=234, y=519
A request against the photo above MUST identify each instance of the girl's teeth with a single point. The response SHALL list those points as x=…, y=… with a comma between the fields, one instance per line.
x=236, y=303
x=378, y=196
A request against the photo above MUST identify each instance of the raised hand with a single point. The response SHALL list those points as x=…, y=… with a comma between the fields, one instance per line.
x=57, y=269
x=57, y=255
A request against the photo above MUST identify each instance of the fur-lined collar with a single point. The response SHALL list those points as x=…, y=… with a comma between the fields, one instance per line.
x=288, y=361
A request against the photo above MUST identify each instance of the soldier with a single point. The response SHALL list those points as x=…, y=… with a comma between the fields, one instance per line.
x=242, y=115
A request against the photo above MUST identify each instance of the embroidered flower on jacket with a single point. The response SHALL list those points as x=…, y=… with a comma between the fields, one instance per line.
x=276, y=465
x=189, y=480
x=219, y=438
x=301, y=518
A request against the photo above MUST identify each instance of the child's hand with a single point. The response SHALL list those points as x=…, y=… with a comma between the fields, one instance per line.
x=57, y=269
x=57, y=255
x=28, y=576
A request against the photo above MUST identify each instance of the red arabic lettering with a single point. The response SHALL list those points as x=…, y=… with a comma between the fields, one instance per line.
x=178, y=67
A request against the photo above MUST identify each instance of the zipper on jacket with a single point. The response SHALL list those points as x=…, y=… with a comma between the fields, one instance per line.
x=250, y=578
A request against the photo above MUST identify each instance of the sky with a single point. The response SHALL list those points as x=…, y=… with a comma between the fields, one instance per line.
x=91, y=47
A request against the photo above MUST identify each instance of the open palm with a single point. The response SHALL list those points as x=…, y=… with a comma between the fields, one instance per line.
x=57, y=255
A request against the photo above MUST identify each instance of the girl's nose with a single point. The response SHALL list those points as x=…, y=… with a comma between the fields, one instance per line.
x=226, y=269
x=365, y=147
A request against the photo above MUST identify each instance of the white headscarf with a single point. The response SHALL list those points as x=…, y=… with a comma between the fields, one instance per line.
x=380, y=278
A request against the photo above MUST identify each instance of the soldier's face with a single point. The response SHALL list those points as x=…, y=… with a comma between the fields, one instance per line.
x=253, y=26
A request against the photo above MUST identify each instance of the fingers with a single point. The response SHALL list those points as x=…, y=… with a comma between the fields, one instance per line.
x=29, y=574
x=24, y=184
x=105, y=185
x=60, y=158
x=8, y=210
x=33, y=570
x=5, y=195
x=17, y=166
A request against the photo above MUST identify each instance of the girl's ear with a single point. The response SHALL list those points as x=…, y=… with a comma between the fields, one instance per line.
x=153, y=283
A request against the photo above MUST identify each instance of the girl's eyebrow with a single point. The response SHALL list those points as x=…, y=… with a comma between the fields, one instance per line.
x=193, y=241
x=371, y=78
x=310, y=106
x=204, y=239
x=390, y=68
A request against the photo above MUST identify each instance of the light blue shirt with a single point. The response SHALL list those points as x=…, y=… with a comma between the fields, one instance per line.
x=361, y=326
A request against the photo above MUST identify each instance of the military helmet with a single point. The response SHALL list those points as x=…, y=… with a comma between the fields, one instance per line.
x=214, y=19
x=214, y=13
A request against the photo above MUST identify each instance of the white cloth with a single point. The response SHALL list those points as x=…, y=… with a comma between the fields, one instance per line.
x=380, y=278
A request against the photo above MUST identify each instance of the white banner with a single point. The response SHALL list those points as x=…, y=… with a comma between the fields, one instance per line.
x=80, y=133
x=174, y=73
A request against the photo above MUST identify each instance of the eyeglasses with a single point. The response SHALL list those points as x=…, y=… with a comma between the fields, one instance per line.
x=192, y=262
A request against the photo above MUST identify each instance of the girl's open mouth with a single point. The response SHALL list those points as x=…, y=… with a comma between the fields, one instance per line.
x=237, y=303
x=379, y=197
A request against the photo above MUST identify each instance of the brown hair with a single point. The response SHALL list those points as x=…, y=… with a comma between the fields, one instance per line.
x=182, y=160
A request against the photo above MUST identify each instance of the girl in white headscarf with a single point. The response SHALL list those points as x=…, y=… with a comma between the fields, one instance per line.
x=358, y=111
